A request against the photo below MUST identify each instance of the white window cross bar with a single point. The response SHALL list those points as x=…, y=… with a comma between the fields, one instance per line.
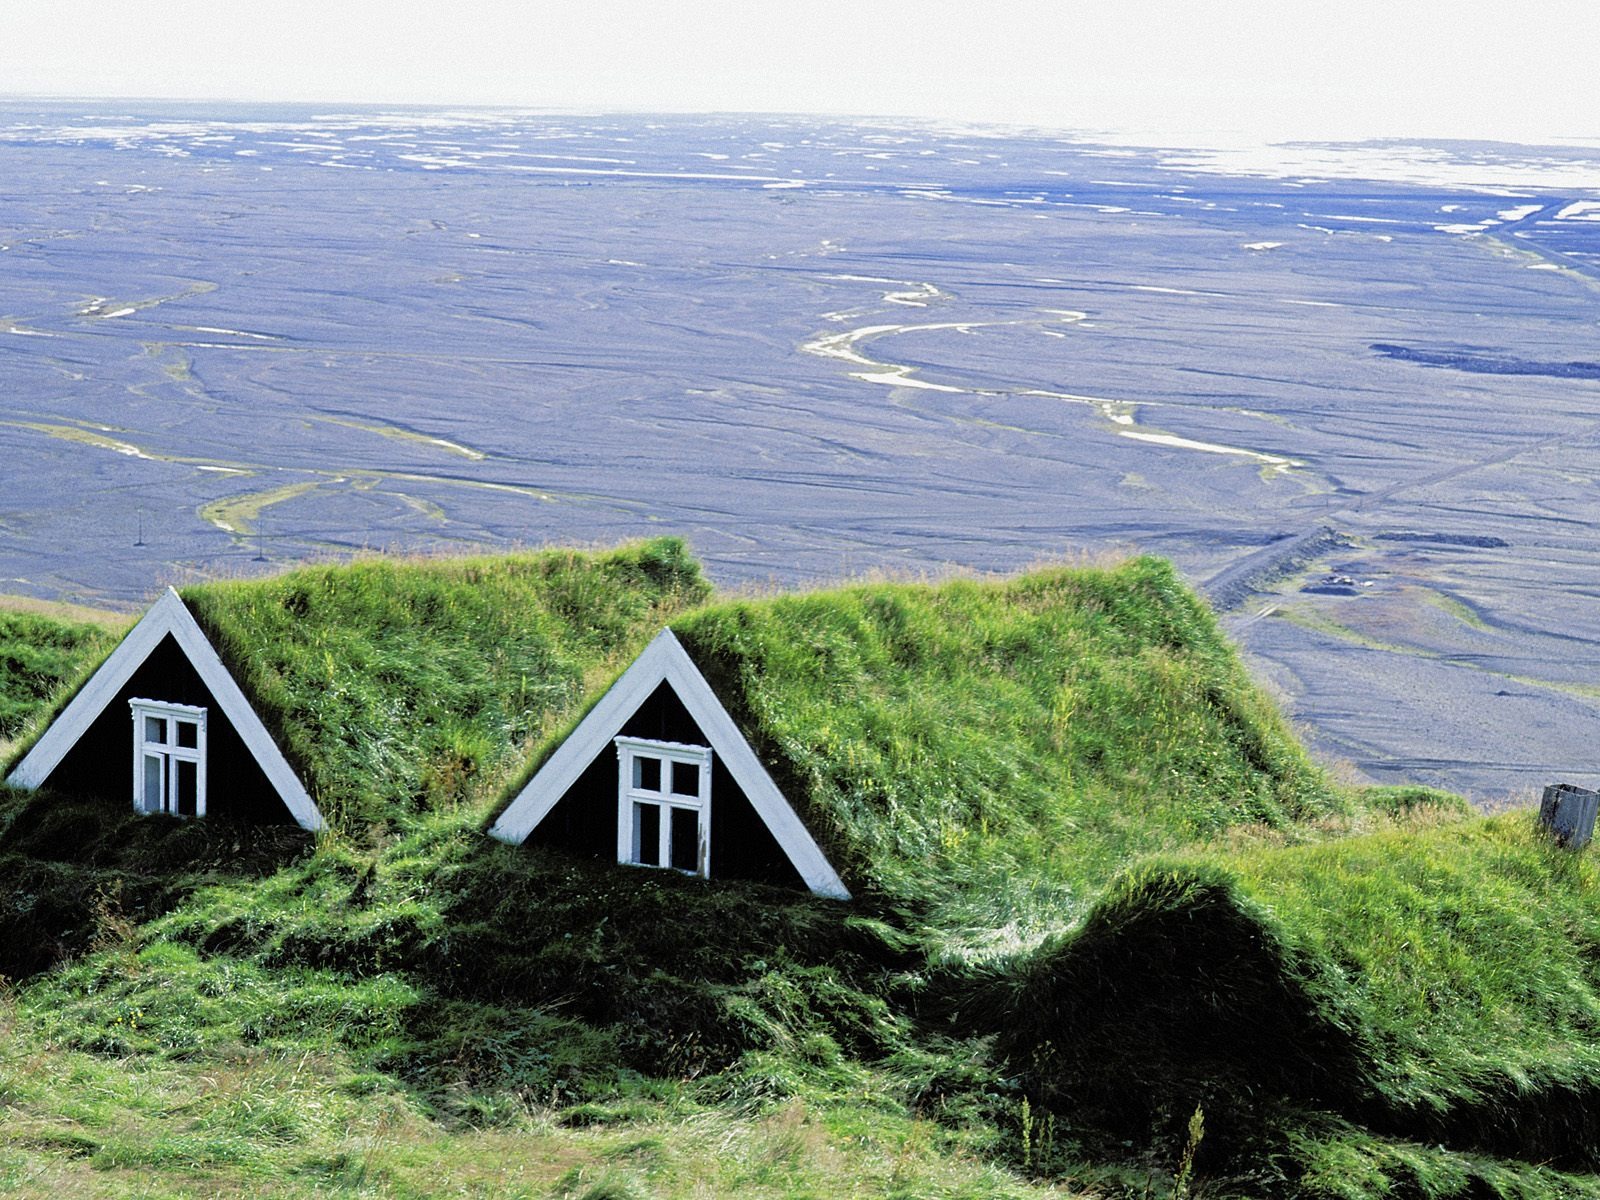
x=664, y=805
x=169, y=758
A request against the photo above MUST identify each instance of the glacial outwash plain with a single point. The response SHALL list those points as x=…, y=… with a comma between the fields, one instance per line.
x=1351, y=391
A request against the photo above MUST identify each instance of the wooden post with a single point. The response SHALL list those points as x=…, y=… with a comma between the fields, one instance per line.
x=1568, y=814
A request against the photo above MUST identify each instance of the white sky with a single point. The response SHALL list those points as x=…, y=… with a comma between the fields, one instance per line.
x=1209, y=71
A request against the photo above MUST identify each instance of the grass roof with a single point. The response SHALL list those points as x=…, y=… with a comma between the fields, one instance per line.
x=1441, y=983
x=1103, y=886
x=1048, y=726
x=41, y=655
x=395, y=686
x=1470, y=955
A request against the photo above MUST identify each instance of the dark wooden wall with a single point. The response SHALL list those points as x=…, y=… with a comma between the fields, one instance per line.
x=101, y=764
x=584, y=820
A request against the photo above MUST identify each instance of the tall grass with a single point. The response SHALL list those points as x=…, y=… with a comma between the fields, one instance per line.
x=40, y=656
x=401, y=687
x=1437, y=985
x=67, y=863
x=1100, y=887
x=1470, y=954
x=946, y=739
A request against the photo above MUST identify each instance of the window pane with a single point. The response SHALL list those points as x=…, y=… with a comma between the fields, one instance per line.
x=188, y=733
x=646, y=773
x=647, y=834
x=685, y=849
x=155, y=729
x=686, y=779
x=150, y=801
x=185, y=787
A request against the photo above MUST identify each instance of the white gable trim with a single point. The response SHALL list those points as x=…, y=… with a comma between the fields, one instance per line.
x=169, y=615
x=665, y=660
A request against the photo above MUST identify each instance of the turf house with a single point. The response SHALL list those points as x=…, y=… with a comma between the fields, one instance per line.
x=659, y=772
x=913, y=739
x=352, y=694
x=164, y=723
x=1109, y=927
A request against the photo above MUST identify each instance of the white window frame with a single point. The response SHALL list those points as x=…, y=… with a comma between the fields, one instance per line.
x=629, y=749
x=167, y=752
x=665, y=661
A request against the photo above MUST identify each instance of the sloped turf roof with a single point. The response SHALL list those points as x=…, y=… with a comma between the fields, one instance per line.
x=939, y=735
x=1434, y=984
x=394, y=686
x=39, y=655
x=1441, y=983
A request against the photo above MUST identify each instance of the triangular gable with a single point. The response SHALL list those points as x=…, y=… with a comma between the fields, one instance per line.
x=169, y=616
x=665, y=660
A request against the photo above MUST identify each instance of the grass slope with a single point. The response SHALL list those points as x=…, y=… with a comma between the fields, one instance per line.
x=41, y=656
x=1470, y=958
x=402, y=686
x=961, y=741
x=1439, y=985
x=1102, y=886
x=374, y=1021
x=66, y=864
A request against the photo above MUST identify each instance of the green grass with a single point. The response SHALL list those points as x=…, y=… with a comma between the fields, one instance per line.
x=405, y=686
x=152, y=1067
x=1470, y=955
x=1438, y=984
x=1337, y=1161
x=251, y=1123
x=950, y=743
x=69, y=866
x=40, y=656
x=1099, y=885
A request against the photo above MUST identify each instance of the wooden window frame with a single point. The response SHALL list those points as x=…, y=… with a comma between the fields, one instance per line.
x=665, y=660
x=168, y=752
x=628, y=750
x=168, y=617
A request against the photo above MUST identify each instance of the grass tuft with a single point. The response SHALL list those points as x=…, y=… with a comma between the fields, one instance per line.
x=410, y=686
x=42, y=659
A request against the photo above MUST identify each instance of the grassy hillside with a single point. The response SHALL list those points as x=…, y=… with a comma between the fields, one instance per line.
x=1435, y=986
x=1470, y=956
x=446, y=1015
x=1100, y=886
x=399, y=686
x=307, y=1124
x=981, y=743
x=64, y=860
x=42, y=655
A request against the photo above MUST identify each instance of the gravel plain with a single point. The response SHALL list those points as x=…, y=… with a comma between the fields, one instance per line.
x=1361, y=413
